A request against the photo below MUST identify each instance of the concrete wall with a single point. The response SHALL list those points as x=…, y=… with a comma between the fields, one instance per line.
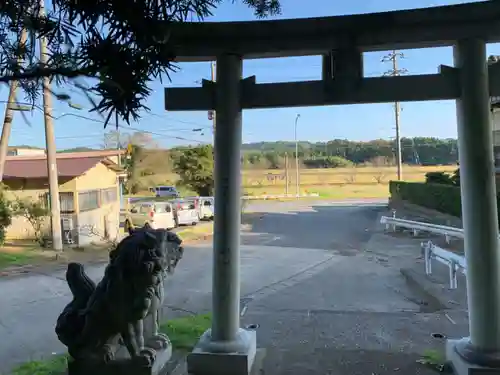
x=25, y=151
x=89, y=226
x=32, y=189
x=104, y=222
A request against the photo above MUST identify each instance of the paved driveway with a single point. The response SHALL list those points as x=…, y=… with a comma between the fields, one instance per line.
x=311, y=238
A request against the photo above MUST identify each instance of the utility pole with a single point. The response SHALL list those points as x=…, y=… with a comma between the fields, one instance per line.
x=395, y=71
x=55, y=209
x=286, y=174
x=297, y=174
x=9, y=113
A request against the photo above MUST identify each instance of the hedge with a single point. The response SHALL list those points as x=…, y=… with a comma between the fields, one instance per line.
x=439, y=197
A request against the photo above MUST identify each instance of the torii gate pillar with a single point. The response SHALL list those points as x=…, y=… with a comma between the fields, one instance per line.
x=479, y=353
x=226, y=349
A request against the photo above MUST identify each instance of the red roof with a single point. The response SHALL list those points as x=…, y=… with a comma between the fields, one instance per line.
x=24, y=167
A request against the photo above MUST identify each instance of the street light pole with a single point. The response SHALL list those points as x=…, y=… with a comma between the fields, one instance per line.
x=297, y=176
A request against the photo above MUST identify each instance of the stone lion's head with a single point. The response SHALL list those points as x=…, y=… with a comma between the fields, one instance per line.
x=166, y=245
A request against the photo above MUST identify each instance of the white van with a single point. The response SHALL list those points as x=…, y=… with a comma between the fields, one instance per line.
x=204, y=206
x=156, y=214
x=165, y=191
x=185, y=212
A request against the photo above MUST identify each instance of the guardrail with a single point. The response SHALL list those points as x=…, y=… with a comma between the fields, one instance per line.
x=416, y=226
x=454, y=261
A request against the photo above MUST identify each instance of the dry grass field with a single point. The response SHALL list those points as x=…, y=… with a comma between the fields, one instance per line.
x=337, y=183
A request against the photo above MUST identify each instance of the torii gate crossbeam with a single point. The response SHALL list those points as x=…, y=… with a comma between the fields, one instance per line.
x=227, y=349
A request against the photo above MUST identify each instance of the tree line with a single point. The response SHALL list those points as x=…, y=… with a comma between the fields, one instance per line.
x=344, y=153
x=194, y=164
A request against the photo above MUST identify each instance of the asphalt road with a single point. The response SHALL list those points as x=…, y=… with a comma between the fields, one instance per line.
x=288, y=243
x=328, y=225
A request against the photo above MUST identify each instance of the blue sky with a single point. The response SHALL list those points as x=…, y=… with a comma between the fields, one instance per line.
x=356, y=122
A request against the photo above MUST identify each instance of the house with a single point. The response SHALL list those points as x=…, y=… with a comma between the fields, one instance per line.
x=89, y=188
x=25, y=151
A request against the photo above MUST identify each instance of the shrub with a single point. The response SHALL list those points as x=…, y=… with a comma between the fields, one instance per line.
x=35, y=212
x=438, y=178
x=439, y=197
x=5, y=215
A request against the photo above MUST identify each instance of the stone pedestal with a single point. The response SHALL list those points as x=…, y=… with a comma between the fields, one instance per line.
x=224, y=358
x=122, y=366
x=462, y=366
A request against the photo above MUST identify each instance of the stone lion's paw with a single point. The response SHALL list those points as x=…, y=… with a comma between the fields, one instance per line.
x=147, y=357
x=159, y=341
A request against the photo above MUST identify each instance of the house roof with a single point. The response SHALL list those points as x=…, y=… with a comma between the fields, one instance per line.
x=35, y=166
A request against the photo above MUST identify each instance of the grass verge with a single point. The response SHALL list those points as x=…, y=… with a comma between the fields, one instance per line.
x=196, y=233
x=24, y=252
x=183, y=333
x=337, y=192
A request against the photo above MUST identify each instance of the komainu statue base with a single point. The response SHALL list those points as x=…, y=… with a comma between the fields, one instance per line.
x=121, y=366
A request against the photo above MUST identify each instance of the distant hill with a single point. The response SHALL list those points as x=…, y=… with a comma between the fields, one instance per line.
x=77, y=149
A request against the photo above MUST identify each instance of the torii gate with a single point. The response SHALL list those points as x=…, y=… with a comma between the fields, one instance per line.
x=227, y=349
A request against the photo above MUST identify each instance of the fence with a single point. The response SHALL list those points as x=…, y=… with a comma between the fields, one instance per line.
x=456, y=263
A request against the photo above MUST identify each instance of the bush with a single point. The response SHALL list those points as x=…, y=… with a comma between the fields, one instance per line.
x=439, y=197
x=438, y=178
x=5, y=215
x=35, y=212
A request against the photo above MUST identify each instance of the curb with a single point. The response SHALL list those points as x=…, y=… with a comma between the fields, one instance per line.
x=431, y=302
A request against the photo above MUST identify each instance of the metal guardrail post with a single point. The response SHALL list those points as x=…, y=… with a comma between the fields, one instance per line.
x=428, y=258
x=453, y=274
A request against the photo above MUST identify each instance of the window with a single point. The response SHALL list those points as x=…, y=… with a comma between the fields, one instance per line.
x=162, y=208
x=109, y=195
x=88, y=200
x=66, y=200
x=207, y=203
x=145, y=209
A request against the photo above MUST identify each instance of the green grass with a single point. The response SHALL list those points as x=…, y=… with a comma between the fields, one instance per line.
x=14, y=259
x=199, y=231
x=183, y=333
x=54, y=366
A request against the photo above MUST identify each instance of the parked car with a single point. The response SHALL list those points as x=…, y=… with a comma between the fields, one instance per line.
x=165, y=191
x=204, y=206
x=156, y=214
x=185, y=212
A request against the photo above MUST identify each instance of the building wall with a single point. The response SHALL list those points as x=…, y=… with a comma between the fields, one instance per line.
x=98, y=224
x=25, y=151
x=496, y=135
x=88, y=225
x=30, y=189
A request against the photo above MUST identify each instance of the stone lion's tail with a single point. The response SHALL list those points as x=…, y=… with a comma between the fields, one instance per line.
x=71, y=321
x=79, y=283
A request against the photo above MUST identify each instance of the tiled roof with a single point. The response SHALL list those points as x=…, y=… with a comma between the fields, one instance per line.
x=35, y=167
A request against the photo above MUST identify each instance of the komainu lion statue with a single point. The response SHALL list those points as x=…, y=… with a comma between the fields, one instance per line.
x=113, y=313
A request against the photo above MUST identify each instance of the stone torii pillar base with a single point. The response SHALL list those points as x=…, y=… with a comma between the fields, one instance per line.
x=224, y=358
